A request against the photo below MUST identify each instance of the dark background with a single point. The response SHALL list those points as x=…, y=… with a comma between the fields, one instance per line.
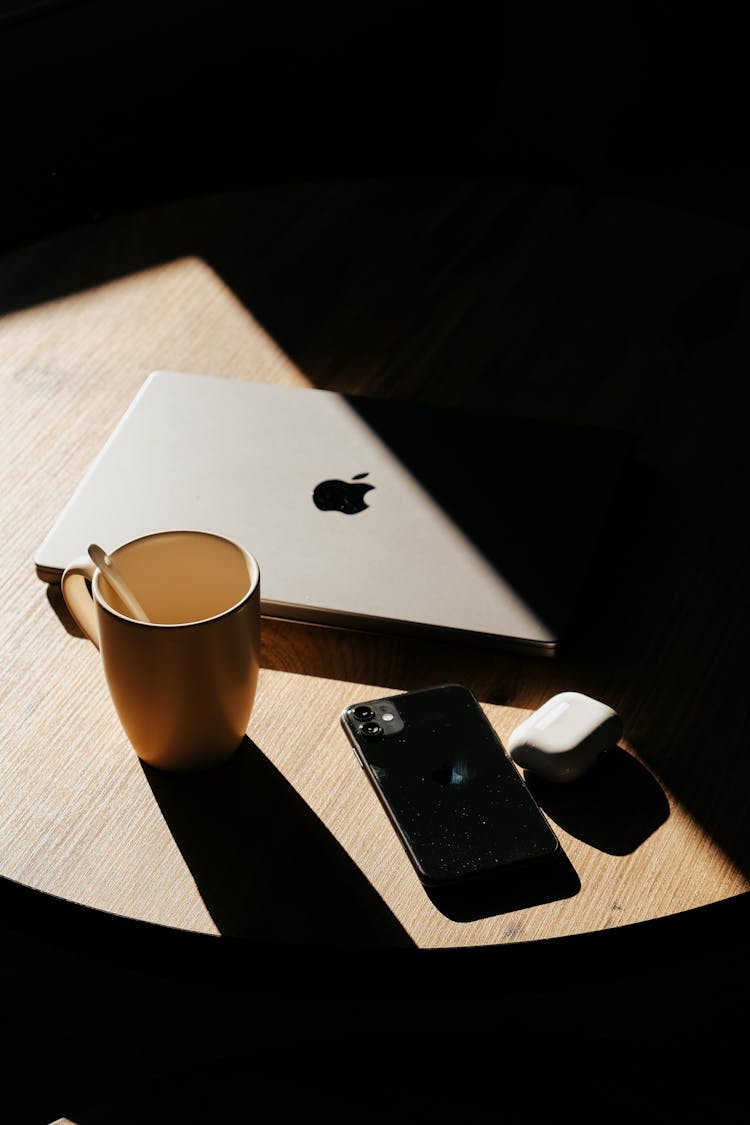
x=108, y=106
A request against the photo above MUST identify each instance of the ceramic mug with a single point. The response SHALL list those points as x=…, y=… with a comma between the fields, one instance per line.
x=183, y=682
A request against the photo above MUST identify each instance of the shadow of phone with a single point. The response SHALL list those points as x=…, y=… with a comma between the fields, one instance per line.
x=508, y=891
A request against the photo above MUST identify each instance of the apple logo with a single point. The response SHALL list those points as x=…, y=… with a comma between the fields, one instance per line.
x=453, y=773
x=341, y=495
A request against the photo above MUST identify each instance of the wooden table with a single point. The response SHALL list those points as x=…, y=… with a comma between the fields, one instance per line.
x=546, y=302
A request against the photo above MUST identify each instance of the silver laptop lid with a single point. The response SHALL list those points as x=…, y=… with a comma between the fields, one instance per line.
x=362, y=512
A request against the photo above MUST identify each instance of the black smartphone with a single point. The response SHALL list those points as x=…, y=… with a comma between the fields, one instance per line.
x=456, y=799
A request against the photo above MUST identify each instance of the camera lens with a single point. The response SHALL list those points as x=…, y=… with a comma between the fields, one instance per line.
x=363, y=713
x=372, y=730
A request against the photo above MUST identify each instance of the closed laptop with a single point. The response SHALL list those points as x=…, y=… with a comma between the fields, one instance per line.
x=362, y=512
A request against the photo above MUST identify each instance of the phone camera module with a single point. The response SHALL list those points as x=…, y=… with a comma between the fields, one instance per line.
x=375, y=720
x=371, y=730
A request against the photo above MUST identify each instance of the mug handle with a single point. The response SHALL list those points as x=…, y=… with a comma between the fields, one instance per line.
x=78, y=599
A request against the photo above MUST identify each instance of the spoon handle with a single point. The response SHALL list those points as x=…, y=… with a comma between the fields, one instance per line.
x=101, y=559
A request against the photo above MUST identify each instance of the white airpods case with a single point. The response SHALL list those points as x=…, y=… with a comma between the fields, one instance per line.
x=565, y=736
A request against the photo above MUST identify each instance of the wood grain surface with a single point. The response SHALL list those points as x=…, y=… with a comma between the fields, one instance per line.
x=537, y=301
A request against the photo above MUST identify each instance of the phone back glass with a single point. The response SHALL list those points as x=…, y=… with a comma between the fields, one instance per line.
x=459, y=804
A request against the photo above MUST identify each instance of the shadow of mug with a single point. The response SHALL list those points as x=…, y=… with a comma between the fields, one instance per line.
x=265, y=865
